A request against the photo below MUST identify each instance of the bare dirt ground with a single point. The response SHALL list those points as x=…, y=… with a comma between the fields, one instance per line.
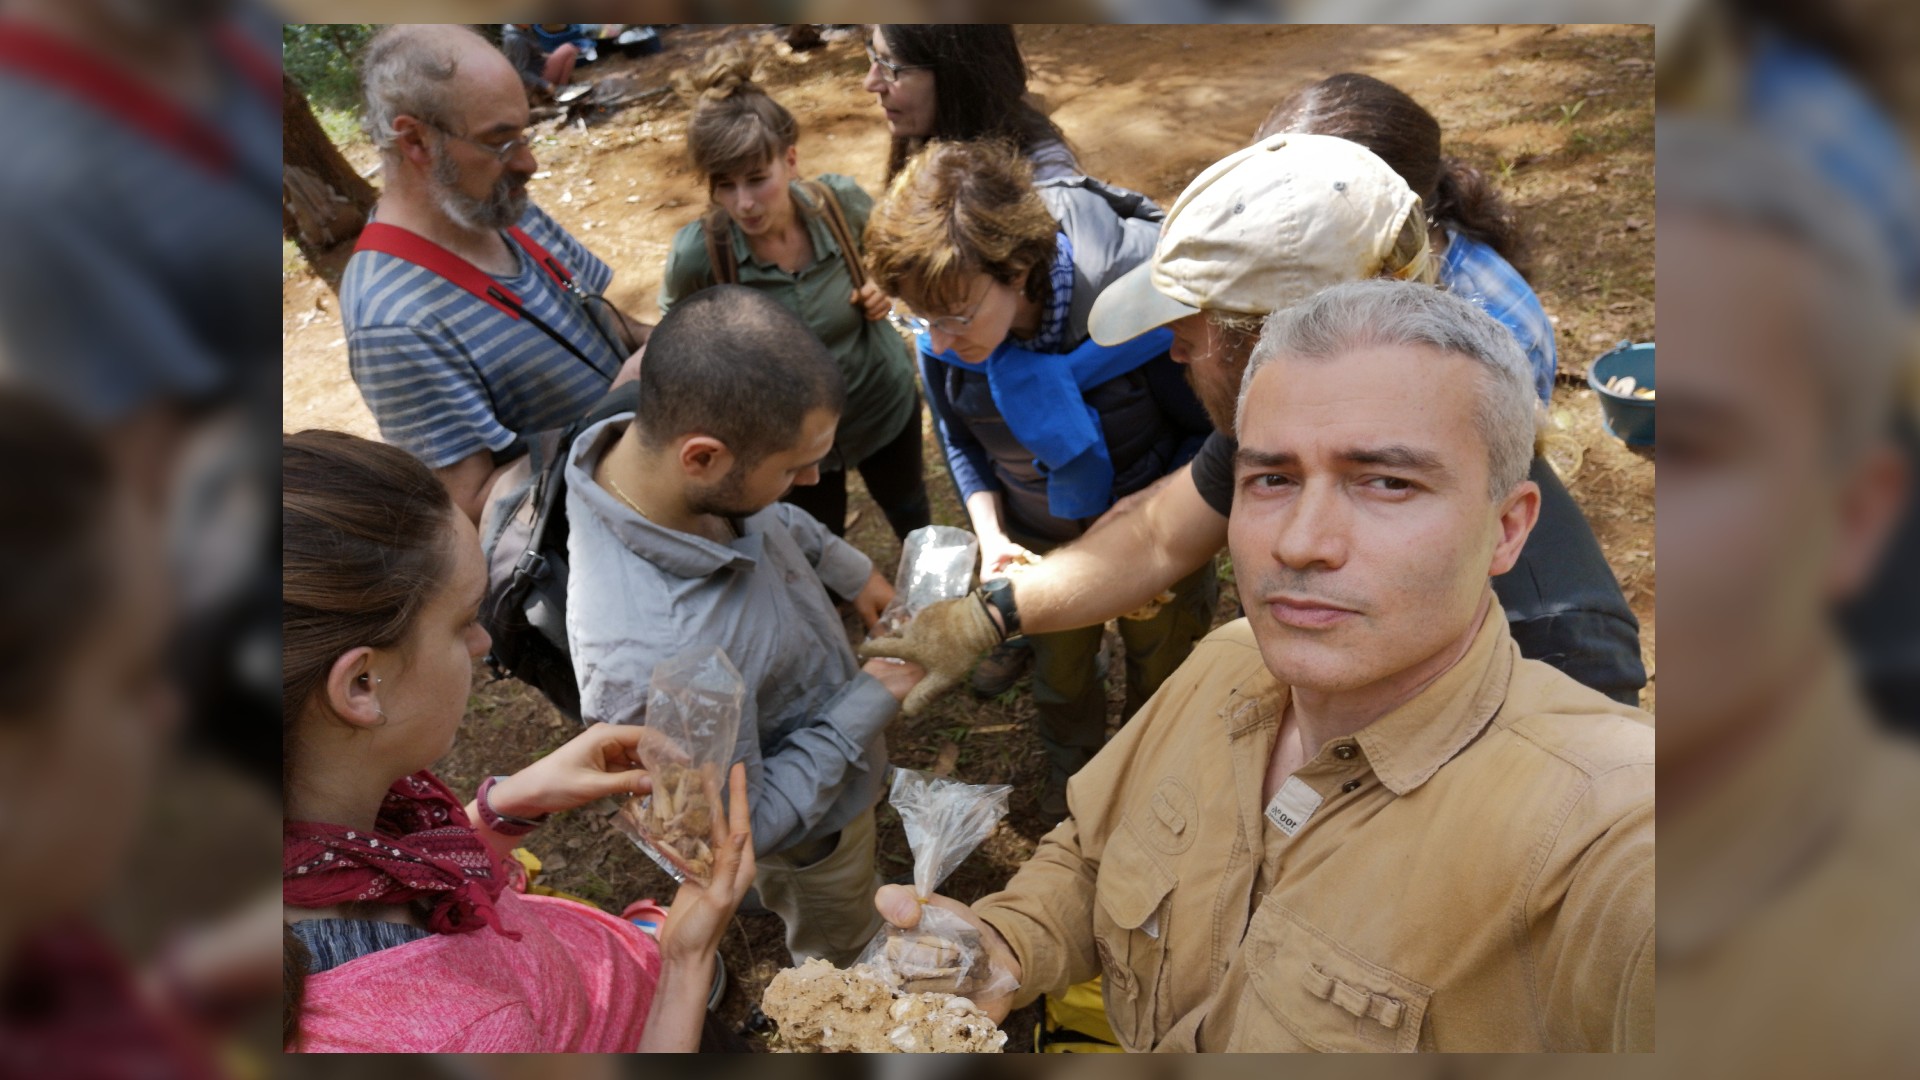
x=1563, y=117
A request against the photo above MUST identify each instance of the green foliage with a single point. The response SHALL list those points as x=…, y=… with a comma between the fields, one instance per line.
x=341, y=125
x=320, y=57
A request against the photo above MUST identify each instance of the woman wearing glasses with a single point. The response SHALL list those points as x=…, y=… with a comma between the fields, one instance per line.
x=768, y=229
x=969, y=82
x=949, y=81
x=1043, y=429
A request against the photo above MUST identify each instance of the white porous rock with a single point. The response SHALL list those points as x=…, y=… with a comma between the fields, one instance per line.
x=821, y=1008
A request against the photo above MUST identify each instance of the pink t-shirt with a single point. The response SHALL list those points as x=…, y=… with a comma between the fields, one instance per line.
x=577, y=981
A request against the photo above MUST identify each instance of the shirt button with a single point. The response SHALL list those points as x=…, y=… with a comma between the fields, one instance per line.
x=1345, y=751
x=1350, y=785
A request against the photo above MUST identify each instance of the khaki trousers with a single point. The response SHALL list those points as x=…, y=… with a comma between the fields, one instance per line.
x=827, y=904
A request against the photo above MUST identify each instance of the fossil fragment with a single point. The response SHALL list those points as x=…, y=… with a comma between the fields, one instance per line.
x=933, y=964
x=677, y=819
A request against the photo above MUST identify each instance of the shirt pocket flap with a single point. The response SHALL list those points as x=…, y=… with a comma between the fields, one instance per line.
x=1132, y=883
x=1331, y=997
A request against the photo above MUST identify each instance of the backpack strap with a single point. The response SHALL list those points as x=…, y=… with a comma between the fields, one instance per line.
x=541, y=257
x=255, y=64
x=420, y=251
x=54, y=63
x=547, y=457
x=829, y=206
x=721, y=264
x=84, y=75
x=414, y=248
x=1125, y=202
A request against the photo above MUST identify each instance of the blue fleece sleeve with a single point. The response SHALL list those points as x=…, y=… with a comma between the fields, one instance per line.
x=971, y=467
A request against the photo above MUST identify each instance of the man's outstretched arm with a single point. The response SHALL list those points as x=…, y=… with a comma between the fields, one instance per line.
x=1139, y=549
x=1135, y=552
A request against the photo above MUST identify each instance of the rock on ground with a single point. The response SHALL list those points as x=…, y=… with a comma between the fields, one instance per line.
x=824, y=1009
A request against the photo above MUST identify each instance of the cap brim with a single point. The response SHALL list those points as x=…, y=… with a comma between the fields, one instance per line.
x=1131, y=306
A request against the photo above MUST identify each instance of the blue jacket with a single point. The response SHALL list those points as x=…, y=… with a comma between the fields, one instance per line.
x=1149, y=417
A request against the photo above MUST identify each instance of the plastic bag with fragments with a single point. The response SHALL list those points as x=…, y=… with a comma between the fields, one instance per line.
x=936, y=563
x=693, y=703
x=944, y=821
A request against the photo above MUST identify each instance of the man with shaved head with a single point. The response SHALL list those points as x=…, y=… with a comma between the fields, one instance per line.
x=472, y=318
x=678, y=539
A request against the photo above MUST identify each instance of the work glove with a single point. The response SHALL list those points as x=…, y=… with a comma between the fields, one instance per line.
x=946, y=638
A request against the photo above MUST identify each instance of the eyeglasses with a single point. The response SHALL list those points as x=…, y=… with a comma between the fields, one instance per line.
x=504, y=151
x=889, y=71
x=950, y=325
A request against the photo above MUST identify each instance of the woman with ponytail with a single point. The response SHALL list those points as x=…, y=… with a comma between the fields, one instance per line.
x=404, y=931
x=1479, y=246
x=799, y=241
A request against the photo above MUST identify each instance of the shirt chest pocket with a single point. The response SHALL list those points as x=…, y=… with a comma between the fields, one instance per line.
x=1130, y=934
x=1309, y=989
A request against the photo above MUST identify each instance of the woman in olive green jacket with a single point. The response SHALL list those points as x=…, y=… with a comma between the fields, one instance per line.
x=773, y=231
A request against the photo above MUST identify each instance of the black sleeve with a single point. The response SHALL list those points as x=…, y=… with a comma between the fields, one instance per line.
x=1564, y=605
x=1213, y=472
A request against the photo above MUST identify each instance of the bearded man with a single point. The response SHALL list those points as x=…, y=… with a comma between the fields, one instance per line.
x=472, y=318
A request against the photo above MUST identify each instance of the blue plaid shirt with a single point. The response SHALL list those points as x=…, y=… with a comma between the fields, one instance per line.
x=1475, y=271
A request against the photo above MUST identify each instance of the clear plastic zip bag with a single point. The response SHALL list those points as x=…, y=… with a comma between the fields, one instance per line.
x=694, y=701
x=945, y=820
x=936, y=563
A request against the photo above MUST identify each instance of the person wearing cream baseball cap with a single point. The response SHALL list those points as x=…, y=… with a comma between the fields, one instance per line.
x=1260, y=230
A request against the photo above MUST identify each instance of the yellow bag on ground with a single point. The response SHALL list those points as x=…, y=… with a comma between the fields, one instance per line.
x=1076, y=1023
x=531, y=864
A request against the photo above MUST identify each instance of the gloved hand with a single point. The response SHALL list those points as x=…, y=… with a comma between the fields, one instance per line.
x=947, y=639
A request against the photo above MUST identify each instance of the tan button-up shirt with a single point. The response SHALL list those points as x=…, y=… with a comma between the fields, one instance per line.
x=1790, y=931
x=1473, y=871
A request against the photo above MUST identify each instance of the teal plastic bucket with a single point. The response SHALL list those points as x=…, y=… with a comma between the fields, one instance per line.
x=1628, y=418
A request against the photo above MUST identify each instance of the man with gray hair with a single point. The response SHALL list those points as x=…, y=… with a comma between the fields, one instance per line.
x=1263, y=228
x=473, y=320
x=1358, y=819
x=1788, y=810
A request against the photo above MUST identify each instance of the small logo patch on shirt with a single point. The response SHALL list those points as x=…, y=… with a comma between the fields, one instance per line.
x=1292, y=805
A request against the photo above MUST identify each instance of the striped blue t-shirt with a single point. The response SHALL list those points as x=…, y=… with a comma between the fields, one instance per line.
x=447, y=375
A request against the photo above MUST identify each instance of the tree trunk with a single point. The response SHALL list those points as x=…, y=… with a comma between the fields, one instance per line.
x=324, y=202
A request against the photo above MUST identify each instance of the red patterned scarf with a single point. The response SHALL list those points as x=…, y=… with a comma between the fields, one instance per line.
x=69, y=1007
x=422, y=845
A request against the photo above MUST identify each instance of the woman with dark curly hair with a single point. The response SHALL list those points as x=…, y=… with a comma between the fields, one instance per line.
x=1043, y=428
x=1478, y=246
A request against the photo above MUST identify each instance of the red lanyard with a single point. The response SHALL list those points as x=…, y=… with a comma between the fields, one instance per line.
x=414, y=248
x=87, y=77
x=411, y=246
